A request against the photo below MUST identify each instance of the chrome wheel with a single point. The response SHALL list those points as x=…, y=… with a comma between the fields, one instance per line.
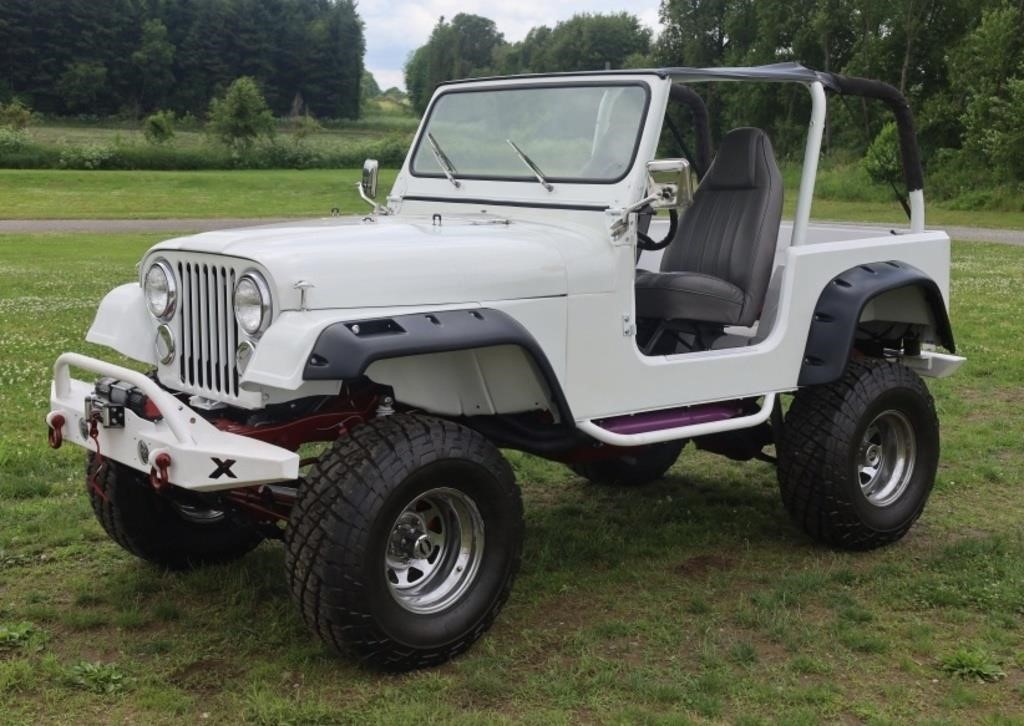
x=434, y=550
x=885, y=460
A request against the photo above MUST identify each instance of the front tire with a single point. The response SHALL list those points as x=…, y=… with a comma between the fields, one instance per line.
x=153, y=528
x=858, y=457
x=404, y=541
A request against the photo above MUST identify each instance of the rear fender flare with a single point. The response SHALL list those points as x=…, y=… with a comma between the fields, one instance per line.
x=833, y=328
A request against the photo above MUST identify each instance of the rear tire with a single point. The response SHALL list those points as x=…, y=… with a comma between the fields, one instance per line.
x=404, y=541
x=648, y=464
x=155, y=529
x=858, y=457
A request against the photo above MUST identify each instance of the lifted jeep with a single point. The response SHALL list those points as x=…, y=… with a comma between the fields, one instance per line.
x=511, y=292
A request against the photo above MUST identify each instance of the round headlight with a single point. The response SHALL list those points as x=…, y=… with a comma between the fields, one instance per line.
x=160, y=290
x=252, y=303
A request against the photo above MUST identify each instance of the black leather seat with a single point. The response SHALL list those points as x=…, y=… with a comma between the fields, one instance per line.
x=717, y=268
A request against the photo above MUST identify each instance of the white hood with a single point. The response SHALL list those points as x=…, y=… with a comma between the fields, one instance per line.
x=393, y=262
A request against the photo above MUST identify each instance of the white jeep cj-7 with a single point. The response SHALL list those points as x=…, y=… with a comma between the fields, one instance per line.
x=509, y=294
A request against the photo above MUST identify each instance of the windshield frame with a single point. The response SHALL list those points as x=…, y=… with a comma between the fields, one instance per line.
x=527, y=177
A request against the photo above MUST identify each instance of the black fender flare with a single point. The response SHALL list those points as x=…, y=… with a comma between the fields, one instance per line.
x=838, y=310
x=344, y=350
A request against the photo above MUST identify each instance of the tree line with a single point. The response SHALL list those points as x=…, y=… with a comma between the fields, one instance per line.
x=470, y=45
x=131, y=57
x=960, y=62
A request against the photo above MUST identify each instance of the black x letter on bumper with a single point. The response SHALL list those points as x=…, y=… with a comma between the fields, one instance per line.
x=223, y=468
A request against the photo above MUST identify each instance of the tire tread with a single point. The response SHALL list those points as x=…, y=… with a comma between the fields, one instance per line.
x=327, y=537
x=819, y=427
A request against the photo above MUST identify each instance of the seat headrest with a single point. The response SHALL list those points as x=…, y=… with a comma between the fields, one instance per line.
x=739, y=154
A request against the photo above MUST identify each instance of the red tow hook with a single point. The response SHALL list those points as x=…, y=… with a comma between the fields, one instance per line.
x=158, y=473
x=54, y=434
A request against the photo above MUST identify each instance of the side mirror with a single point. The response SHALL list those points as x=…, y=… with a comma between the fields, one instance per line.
x=672, y=181
x=368, y=186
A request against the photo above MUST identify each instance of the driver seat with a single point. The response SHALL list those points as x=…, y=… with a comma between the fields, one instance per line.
x=716, y=270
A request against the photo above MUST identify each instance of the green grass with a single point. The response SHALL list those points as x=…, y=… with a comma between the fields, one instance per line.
x=45, y=194
x=937, y=214
x=844, y=192
x=690, y=600
x=63, y=194
x=338, y=134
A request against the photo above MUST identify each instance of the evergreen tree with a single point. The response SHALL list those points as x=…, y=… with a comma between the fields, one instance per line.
x=85, y=56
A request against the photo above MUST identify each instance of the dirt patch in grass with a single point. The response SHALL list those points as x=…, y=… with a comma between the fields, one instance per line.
x=703, y=565
x=206, y=675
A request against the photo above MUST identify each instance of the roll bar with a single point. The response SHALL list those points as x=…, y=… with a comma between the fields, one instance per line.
x=910, y=152
x=701, y=123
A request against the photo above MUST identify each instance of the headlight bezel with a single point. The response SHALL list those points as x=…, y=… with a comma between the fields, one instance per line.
x=265, y=302
x=167, y=313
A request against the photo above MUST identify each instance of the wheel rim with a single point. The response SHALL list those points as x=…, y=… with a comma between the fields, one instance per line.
x=434, y=550
x=885, y=461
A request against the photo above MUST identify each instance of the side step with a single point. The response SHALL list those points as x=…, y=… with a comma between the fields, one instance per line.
x=653, y=427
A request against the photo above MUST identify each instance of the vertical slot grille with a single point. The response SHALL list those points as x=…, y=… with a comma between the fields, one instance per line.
x=208, y=332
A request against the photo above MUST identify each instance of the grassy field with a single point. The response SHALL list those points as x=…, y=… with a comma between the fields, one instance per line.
x=31, y=194
x=46, y=194
x=122, y=145
x=372, y=126
x=693, y=599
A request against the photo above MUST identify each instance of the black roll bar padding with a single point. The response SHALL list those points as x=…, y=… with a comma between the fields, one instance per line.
x=701, y=123
x=910, y=152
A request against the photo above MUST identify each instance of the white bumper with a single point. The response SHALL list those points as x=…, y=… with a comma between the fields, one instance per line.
x=197, y=449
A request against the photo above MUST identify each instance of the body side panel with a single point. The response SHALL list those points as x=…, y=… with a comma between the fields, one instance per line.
x=607, y=375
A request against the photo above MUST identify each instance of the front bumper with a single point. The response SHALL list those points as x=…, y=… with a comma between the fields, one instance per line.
x=198, y=450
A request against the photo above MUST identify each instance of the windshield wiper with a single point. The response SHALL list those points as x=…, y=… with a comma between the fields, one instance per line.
x=443, y=161
x=533, y=167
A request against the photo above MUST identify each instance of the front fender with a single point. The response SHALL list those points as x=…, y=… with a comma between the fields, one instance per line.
x=124, y=324
x=453, y=360
x=283, y=351
x=345, y=350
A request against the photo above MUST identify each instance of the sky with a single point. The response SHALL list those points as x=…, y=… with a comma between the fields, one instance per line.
x=395, y=28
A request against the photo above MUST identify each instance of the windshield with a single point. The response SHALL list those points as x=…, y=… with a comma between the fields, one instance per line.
x=582, y=133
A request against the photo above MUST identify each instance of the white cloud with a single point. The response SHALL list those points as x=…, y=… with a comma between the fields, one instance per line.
x=394, y=28
x=388, y=77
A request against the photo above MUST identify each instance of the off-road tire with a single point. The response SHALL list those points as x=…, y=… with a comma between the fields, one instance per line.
x=343, y=522
x=824, y=441
x=150, y=527
x=649, y=464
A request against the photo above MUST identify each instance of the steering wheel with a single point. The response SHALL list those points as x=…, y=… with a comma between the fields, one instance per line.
x=647, y=244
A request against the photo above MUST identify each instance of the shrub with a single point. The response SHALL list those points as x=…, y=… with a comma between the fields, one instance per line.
x=15, y=115
x=389, y=152
x=18, y=151
x=12, y=140
x=882, y=159
x=187, y=122
x=241, y=116
x=158, y=128
x=29, y=156
x=88, y=156
x=303, y=126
